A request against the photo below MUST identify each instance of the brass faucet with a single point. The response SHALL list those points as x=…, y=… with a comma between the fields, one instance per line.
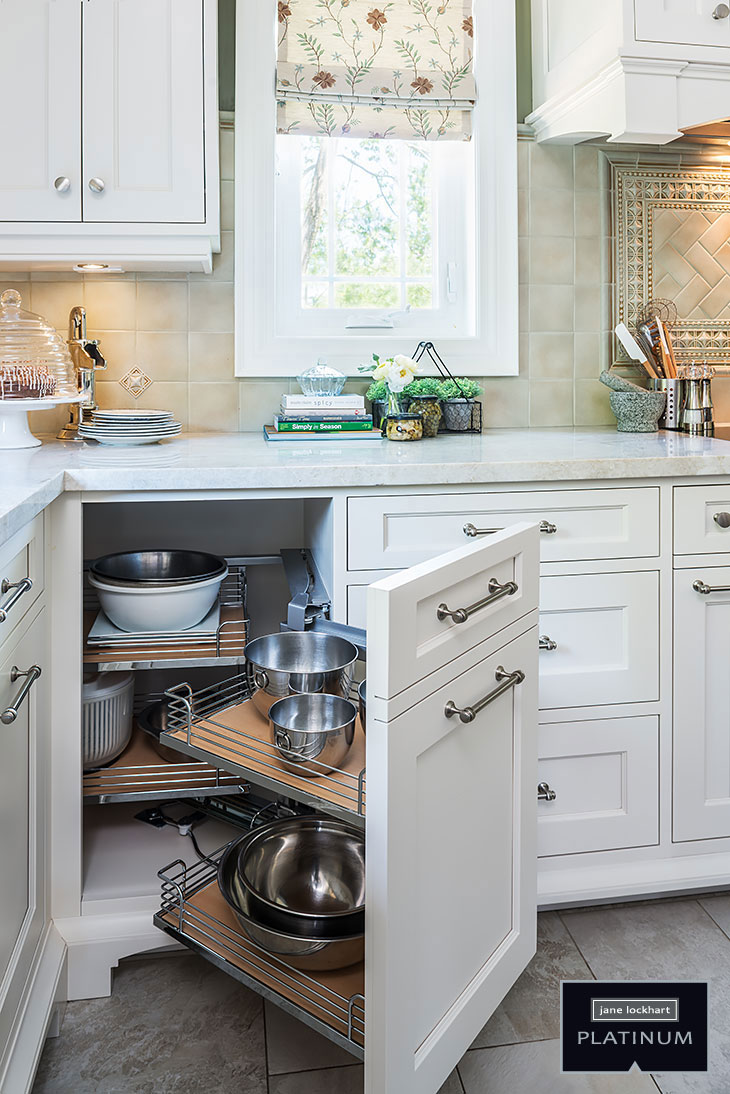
x=87, y=359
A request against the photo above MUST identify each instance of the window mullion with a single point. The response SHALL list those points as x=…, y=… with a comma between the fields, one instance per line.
x=331, y=222
x=403, y=217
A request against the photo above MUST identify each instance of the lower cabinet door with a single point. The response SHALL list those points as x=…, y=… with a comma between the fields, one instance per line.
x=701, y=790
x=22, y=804
x=450, y=829
x=598, y=785
x=600, y=639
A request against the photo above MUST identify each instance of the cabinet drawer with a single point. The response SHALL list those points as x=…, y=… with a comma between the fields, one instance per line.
x=21, y=560
x=605, y=776
x=605, y=630
x=696, y=529
x=393, y=532
x=680, y=23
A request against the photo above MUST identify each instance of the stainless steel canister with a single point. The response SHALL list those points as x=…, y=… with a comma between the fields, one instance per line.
x=674, y=389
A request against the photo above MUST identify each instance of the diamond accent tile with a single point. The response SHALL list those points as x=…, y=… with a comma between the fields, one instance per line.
x=135, y=382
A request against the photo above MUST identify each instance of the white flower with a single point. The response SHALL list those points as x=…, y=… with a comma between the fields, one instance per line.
x=382, y=369
x=406, y=362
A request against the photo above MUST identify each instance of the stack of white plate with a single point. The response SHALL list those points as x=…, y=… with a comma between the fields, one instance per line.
x=130, y=427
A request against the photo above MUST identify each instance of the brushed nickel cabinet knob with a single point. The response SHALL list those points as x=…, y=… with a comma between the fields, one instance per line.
x=723, y=519
x=721, y=11
x=62, y=184
x=96, y=185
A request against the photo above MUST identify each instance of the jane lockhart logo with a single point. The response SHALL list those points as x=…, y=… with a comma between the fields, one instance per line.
x=612, y=1026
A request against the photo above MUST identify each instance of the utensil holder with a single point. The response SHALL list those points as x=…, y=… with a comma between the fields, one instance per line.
x=674, y=390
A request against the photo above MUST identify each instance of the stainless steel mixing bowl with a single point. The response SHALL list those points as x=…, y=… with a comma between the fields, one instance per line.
x=283, y=664
x=153, y=721
x=362, y=703
x=306, y=876
x=312, y=734
x=158, y=568
x=307, y=954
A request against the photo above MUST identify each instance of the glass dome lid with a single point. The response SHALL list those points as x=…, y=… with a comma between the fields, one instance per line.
x=35, y=362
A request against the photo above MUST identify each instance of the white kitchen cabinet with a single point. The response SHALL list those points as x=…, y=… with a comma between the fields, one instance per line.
x=701, y=703
x=113, y=155
x=40, y=92
x=143, y=125
x=599, y=639
x=24, y=731
x=452, y=705
x=601, y=787
x=635, y=71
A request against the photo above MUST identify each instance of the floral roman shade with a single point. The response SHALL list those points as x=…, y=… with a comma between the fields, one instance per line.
x=398, y=68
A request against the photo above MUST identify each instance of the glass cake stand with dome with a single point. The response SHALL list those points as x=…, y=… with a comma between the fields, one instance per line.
x=36, y=371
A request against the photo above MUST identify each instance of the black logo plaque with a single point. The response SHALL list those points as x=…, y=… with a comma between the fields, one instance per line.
x=610, y=1026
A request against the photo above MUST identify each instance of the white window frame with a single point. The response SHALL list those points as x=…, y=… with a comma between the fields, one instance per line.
x=492, y=348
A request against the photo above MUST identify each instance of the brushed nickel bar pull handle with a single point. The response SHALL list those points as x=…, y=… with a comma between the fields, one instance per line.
x=700, y=587
x=545, y=793
x=8, y=716
x=723, y=519
x=471, y=530
x=507, y=680
x=18, y=587
x=546, y=643
x=496, y=592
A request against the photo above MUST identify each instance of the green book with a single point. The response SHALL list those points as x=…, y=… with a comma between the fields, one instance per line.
x=334, y=426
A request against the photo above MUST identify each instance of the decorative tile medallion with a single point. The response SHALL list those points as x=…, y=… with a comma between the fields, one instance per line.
x=672, y=243
x=136, y=382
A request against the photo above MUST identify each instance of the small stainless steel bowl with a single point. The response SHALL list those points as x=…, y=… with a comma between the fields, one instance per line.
x=153, y=721
x=278, y=665
x=362, y=704
x=306, y=876
x=158, y=568
x=312, y=733
x=307, y=954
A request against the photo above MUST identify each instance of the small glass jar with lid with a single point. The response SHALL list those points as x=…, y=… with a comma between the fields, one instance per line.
x=407, y=426
x=429, y=407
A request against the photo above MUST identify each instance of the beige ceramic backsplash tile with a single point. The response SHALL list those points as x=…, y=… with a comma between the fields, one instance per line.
x=179, y=329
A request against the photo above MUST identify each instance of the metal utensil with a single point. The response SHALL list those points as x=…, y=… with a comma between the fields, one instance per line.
x=278, y=665
x=312, y=733
x=307, y=954
x=306, y=876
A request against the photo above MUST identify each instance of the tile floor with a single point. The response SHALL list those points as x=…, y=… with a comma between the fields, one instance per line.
x=176, y=1025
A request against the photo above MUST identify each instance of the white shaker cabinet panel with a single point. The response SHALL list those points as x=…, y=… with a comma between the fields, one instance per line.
x=143, y=133
x=40, y=92
x=682, y=22
x=701, y=520
x=702, y=703
x=599, y=639
x=22, y=819
x=602, y=785
x=575, y=525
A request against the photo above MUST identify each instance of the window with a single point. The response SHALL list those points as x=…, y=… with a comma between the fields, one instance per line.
x=349, y=246
x=372, y=235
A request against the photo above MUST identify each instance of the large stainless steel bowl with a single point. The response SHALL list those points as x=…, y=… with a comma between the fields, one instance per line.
x=312, y=733
x=293, y=662
x=158, y=568
x=307, y=954
x=306, y=876
x=362, y=704
x=153, y=721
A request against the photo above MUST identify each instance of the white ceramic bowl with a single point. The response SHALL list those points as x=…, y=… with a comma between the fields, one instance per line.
x=107, y=720
x=139, y=608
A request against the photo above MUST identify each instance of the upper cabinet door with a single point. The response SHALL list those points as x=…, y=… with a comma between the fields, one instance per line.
x=451, y=810
x=143, y=131
x=40, y=91
x=682, y=22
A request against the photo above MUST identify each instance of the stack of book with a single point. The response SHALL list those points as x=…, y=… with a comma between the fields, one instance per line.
x=322, y=418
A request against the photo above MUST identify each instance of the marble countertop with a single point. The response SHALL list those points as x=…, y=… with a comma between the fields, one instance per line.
x=31, y=479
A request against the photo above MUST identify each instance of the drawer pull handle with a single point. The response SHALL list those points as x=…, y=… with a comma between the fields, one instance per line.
x=507, y=680
x=700, y=587
x=8, y=716
x=18, y=587
x=723, y=519
x=496, y=592
x=545, y=793
x=547, y=643
x=472, y=531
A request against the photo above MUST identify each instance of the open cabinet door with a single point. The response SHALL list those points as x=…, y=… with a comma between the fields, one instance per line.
x=451, y=804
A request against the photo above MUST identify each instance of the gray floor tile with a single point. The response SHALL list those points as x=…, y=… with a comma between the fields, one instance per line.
x=172, y=1024
x=674, y=940
x=292, y=1046
x=719, y=908
x=338, y=1080
x=531, y=1011
x=535, y=1068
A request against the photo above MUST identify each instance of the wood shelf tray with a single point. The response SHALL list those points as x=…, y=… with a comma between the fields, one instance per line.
x=230, y=645
x=140, y=774
x=331, y=1002
x=238, y=739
